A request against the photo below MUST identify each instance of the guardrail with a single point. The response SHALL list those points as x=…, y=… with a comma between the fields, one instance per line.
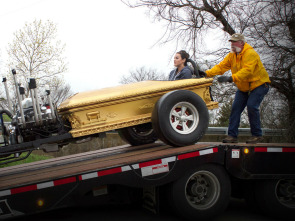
x=244, y=131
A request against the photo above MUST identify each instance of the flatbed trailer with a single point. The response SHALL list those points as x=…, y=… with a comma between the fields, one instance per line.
x=198, y=180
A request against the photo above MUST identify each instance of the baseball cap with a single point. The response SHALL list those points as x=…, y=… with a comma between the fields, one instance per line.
x=237, y=37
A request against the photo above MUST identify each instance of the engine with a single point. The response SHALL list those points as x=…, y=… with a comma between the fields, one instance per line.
x=30, y=119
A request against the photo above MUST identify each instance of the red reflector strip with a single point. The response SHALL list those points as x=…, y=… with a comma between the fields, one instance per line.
x=150, y=163
x=24, y=189
x=104, y=172
x=188, y=155
x=197, y=153
x=39, y=186
x=110, y=171
x=288, y=149
x=64, y=181
x=260, y=149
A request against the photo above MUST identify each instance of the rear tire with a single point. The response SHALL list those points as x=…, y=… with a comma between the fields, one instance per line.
x=277, y=198
x=139, y=134
x=202, y=193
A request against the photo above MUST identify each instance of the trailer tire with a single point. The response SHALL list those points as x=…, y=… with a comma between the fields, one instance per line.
x=202, y=193
x=180, y=118
x=276, y=198
x=138, y=134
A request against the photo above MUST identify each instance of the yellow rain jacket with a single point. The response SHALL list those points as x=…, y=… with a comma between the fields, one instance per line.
x=247, y=69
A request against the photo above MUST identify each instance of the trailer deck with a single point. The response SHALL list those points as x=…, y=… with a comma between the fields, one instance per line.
x=86, y=162
x=113, y=157
x=64, y=181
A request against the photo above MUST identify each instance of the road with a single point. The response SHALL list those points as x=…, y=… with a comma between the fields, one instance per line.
x=237, y=210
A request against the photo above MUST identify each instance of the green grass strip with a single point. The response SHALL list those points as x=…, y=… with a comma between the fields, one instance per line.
x=30, y=159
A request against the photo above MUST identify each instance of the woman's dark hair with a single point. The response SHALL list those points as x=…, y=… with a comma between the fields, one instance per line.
x=184, y=55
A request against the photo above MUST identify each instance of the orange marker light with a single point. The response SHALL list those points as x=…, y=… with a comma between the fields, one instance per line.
x=246, y=150
x=40, y=203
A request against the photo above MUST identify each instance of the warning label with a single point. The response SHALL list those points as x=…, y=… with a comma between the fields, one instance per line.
x=155, y=169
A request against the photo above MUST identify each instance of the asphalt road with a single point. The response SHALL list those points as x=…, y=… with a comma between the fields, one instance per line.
x=237, y=210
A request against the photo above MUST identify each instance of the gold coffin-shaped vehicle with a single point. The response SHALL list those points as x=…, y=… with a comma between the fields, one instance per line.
x=174, y=111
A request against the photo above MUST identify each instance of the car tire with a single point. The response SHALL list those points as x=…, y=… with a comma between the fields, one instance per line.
x=276, y=198
x=180, y=118
x=139, y=134
x=201, y=193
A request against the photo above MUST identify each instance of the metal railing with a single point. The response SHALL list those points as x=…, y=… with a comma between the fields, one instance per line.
x=244, y=131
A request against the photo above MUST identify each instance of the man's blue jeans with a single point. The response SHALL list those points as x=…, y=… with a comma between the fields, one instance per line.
x=252, y=100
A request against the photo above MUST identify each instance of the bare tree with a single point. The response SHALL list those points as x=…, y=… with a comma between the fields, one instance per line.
x=142, y=74
x=269, y=27
x=273, y=34
x=187, y=21
x=60, y=91
x=35, y=53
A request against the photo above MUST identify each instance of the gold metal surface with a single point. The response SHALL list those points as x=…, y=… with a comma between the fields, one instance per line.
x=122, y=106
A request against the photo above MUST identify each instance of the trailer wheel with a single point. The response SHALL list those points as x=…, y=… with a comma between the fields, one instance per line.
x=180, y=118
x=201, y=193
x=277, y=198
x=139, y=134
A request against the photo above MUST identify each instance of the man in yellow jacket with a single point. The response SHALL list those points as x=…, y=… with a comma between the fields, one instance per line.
x=252, y=81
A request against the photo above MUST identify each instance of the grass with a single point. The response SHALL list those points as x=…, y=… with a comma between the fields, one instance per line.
x=6, y=118
x=31, y=158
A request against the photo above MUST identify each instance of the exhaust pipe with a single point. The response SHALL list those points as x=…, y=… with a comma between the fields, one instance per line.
x=37, y=114
x=18, y=98
x=37, y=101
x=7, y=95
x=47, y=90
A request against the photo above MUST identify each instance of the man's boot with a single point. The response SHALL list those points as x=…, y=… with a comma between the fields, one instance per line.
x=254, y=139
x=230, y=139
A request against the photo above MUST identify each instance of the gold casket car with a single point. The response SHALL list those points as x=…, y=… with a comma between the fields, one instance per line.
x=174, y=111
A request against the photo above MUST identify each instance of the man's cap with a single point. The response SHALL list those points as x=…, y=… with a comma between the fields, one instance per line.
x=237, y=37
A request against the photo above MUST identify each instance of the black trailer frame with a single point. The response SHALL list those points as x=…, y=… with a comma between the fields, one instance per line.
x=241, y=161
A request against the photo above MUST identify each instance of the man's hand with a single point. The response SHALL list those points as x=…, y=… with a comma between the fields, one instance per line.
x=224, y=79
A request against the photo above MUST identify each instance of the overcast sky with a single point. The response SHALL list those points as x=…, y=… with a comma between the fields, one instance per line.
x=104, y=39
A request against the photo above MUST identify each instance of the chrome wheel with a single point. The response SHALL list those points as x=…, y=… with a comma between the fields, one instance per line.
x=184, y=118
x=180, y=118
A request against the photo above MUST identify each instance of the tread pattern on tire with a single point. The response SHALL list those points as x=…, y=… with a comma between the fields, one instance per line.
x=161, y=121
